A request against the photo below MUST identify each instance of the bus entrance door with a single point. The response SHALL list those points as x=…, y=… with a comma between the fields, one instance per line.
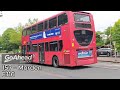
x=41, y=53
x=23, y=50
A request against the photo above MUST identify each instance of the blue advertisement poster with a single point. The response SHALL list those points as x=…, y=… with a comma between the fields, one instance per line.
x=84, y=53
x=46, y=34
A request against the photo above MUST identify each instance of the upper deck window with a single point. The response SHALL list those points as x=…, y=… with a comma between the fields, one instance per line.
x=34, y=30
x=28, y=31
x=62, y=19
x=24, y=32
x=40, y=27
x=53, y=23
x=46, y=24
x=81, y=18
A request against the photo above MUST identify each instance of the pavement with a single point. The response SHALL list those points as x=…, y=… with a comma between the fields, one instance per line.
x=109, y=59
x=108, y=65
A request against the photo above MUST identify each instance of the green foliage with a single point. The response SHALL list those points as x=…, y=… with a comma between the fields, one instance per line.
x=108, y=32
x=11, y=38
x=113, y=34
x=30, y=22
x=18, y=30
x=99, y=40
x=0, y=42
x=8, y=39
x=116, y=34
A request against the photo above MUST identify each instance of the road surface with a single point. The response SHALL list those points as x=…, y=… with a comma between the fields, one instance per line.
x=100, y=70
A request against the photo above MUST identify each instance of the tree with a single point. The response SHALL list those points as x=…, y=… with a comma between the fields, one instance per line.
x=0, y=39
x=6, y=39
x=0, y=42
x=116, y=34
x=18, y=30
x=30, y=22
x=11, y=38
x=108, y=32
x=99, y=40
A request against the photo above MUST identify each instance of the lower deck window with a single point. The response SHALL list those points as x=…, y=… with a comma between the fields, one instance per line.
x=34, y=48
x=54, y=46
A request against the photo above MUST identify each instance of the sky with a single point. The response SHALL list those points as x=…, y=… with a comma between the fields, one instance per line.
x=102, y=19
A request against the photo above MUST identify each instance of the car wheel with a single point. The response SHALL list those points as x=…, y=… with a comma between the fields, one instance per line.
x=108, y=54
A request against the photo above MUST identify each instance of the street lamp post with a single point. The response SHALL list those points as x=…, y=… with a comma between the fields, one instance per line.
x=110, y=41
x=110, y=38
x=115, y=50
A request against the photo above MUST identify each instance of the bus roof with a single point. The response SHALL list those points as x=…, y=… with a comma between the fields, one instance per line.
x=45, y=19
x=53, y=17
x=81, y=12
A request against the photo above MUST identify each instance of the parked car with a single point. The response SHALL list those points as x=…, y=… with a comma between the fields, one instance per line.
x=105, y=51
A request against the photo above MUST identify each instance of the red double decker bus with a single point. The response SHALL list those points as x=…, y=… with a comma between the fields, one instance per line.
x=65, y=39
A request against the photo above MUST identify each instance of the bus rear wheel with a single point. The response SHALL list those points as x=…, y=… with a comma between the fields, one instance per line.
x=55, y=62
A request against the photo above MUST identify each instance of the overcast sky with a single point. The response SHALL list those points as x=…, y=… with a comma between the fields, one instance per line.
x=102, y=19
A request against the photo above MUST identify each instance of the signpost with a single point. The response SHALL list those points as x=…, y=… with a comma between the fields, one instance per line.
x=115, y=50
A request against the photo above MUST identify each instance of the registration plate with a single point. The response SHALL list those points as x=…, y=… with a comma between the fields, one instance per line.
x=84, y=53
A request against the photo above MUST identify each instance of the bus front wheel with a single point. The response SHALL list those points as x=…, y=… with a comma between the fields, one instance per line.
x=55, y=62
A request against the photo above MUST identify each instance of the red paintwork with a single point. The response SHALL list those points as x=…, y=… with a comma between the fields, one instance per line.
x=35, y=56
x=67, y=37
